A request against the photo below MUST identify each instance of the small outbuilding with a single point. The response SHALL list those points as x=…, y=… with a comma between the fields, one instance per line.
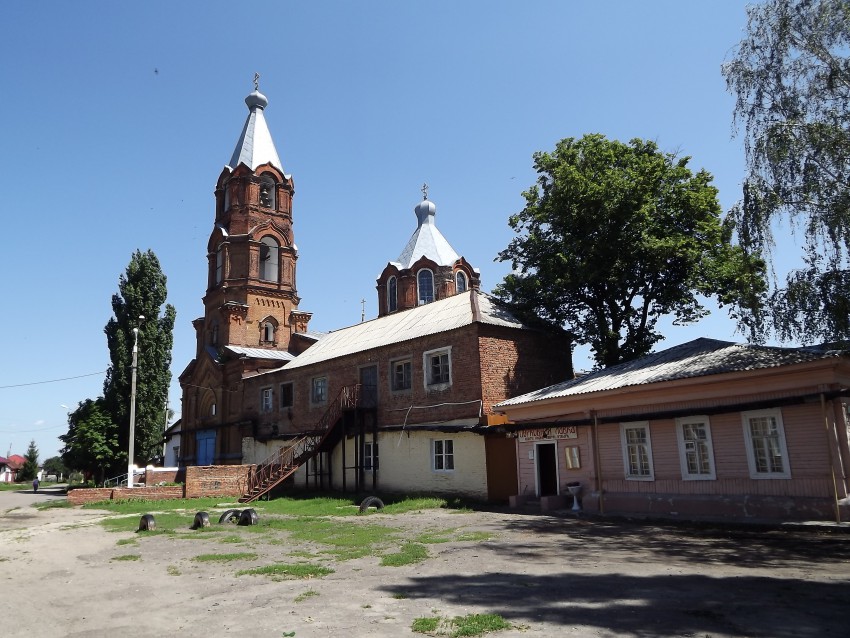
x=706, y=429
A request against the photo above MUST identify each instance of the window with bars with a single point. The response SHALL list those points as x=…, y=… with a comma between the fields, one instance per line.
x=637, y=451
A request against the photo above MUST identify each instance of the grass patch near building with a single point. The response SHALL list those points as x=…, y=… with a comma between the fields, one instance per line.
x=469, y=625
x=225, y=558
x=282, y=571
x=409, y=554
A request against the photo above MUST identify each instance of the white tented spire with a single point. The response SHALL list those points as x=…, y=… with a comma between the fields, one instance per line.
x=255, y=145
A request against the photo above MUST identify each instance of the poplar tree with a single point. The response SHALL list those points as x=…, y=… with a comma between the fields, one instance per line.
x=141, y=292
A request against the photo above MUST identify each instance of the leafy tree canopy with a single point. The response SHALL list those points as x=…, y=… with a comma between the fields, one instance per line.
x=141, y=292
x=55, y=465
x=91, y=443
x=791, y=78
x=614, y=236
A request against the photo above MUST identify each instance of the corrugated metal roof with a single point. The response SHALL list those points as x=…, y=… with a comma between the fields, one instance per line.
x=439, y=316
x=261, y=353
x=697, y=358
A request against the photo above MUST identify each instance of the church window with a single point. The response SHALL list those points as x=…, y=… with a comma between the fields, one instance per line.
x=267, y=191
x=268, y=331
x=425, y=281
x=461, y=282
x=392, y=295
x=269, y=251
x=219, y=264
x=214, y=335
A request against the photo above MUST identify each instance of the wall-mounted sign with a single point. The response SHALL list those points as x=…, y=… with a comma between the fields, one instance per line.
x=539, y=434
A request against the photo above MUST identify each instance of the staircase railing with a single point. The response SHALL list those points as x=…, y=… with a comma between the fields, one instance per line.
x=285, y=461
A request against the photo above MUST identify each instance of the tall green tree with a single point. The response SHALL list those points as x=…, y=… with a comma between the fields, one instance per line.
x=141, y=293
x=615, y=236
x=30, y=468
x=91, y=443
x=55, y=465
x=791, y=79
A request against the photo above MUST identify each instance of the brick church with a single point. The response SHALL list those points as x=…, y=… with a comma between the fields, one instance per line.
x=399, y=403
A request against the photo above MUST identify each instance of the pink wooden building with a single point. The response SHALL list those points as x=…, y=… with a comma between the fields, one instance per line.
x=707, y=429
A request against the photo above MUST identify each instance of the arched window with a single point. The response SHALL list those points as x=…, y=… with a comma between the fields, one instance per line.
x=268, y=331
x=214, y=335
x=392, y=295
x=460, y=279
x=425, y=280
x=268, y=188
x=269, y=251
x=219, y=264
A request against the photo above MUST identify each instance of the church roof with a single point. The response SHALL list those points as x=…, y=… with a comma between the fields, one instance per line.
x=447, y=314
x=255, y=145
x=260, y=353
x=426, y=241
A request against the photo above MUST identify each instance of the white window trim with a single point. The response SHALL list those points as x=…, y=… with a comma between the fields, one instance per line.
x=683, y=459
x=419, y=300
x=426, y=369
x=312, y=390
x=625, y=447
x=748, y=442
x=372, y=446
x=434, y=457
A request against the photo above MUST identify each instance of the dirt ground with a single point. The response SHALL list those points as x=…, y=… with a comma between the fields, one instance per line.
x=548, y=575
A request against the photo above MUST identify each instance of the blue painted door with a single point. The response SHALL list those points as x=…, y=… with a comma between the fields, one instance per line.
x=206, y=447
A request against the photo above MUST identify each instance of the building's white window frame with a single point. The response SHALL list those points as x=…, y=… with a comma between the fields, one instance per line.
x=268, y=330
x=319, y=390
x=266, y=399
x=392, y=294
x=445, y=379
x=637, y=451
x=697, y=452
x=401, y=380
x=442, y=455
x=422, y=292
x=758, y=468
x=460, y=282
x=371, y=454
x=287, y=396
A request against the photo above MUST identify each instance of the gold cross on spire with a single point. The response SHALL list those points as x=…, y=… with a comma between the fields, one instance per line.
x=425, y=191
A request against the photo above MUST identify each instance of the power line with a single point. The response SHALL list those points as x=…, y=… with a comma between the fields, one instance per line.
x=21, y=385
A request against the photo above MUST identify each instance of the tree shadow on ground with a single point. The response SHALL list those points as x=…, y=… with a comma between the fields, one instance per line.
x=658, y=605
x=743, y=546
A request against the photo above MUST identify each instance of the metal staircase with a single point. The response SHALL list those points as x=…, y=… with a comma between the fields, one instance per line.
x=286, y=461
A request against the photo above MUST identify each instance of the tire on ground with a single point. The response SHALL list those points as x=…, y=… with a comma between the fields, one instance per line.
x=371, y=501
x=147, y=523
x=248, y=517
x=202, y=519
x=229, y=516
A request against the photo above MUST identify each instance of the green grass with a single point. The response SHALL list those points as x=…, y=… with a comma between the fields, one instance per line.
x=305, y=595
x=409, y=554
x=225, y=558
x=128, y=557
x=282, y=571
x=9, y=487
x=233, y=538
x=469, y=625
x=346, y=540
x=127, y=541
x=53, y=504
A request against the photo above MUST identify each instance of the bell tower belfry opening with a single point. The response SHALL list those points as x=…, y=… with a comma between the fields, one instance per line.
x=252, y=299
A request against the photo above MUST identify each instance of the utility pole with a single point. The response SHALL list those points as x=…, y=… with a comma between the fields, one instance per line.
x=130, y=465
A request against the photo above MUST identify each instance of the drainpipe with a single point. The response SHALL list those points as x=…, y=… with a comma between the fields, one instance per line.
x=598, y=460
x=831, y=460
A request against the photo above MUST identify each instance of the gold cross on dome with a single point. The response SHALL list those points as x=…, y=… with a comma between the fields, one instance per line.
x=425, y=191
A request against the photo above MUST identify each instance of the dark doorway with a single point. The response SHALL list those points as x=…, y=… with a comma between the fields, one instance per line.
x=547, y=470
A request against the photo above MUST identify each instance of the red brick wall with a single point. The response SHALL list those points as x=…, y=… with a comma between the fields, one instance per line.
x=82, y=496
x=216, y=480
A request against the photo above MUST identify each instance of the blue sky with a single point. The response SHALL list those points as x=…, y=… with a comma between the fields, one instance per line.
x=117, y=118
